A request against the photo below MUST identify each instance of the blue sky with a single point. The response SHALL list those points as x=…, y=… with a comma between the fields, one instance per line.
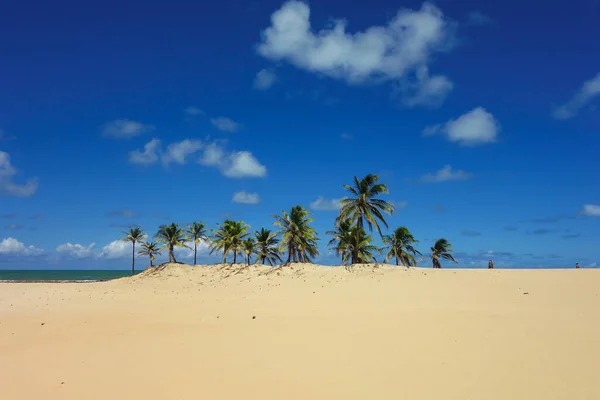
x=481, y=117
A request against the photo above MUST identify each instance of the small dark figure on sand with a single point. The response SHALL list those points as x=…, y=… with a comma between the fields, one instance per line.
x=491, y=265
x=577, y=265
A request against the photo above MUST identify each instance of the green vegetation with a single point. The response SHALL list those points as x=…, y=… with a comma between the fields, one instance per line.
x=297, y=238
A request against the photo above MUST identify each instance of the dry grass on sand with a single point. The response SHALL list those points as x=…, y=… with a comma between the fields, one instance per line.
x=304, y=332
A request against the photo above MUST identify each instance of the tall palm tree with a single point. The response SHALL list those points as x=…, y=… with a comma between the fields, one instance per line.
x=299, y=238
x=249, y=248
x=399, y=245
x=359, y=242
x=364, y=205
x=134, y=235
x=441, y=249
x=196, y=232
x=171, y=236
x=229, y=237
x=341, y=238
x=266, y=246
x=149, y=249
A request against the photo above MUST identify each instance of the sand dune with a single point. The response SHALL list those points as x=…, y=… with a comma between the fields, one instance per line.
x=305, y=332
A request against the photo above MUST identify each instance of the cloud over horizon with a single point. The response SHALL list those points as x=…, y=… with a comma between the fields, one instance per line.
x=473, y=128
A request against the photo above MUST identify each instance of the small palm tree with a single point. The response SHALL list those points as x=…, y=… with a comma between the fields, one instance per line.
x=359, y=242
x=266, y=246
x=171, y=236
x=196, y=232
x=441, y=249
x=249, y=248
x=134, y=235
x=399, y=245
x=149, y=249
x=364, y=205
x=229, y=237
x=341, y=239
x=299, y=238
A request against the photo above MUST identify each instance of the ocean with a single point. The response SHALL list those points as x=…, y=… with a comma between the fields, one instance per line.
x=61, y=275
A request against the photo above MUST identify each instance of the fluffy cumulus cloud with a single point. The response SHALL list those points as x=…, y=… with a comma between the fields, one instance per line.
x=591, y=210
x=323, y=204
x=232, y=164
x=193, y=110
x=383, y=52
x=474, y=128
x=8, y=186
x=265, y=78
x=149, y=155
x=425, y=90
x=225, y=124
x=75, y=250
x=589, y=91
x=125, y=129
x=12, y=247
x=446, y=174
x=244, y=197
x=116, y=249
x=179, y=152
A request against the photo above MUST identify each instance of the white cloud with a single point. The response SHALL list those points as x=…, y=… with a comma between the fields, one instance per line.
x=203, y=248
x=12, y=247
x=323, y=204
x=592, y=265
x=346, y=136
x=446, y=174
x=588, y=92
x=225, y=124
x=192, y=110
x=75, y=250
x=148, y=156
x=7, y=184
x=213, y=155
x=265, y=78
x=478, y=18
x=240, y=164
x=426, y=90
x=125, y=129
x=474, y=128
x=117, y=249
x=380, y=52
x=244, y=197
x=591, y=210
x=178, y=152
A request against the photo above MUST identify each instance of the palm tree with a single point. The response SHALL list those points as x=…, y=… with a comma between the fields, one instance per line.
x=341, y=238
x=229, y=237
x=196, y=232
x=249, y=248
x=149, y=249
x=441, y=249
x=299, y=238
x=400, y=245
x=359, y=242
x=365, y=206
x=266, y=246
x=134, y=235
x=171, y=236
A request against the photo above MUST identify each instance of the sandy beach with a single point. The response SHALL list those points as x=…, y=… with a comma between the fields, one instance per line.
x=305, y=332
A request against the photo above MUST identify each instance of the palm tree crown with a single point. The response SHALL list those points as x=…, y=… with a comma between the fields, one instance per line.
x=149, y=249
x=196, y=232
x=341, y=239
x=248, y=248
x=266, y=246
x=364, y=205
x=399, y=245
x=133, y=235
x=229, y=237
x=171, y=236
x=359, y=242
x=299, y=238
x=441, y=249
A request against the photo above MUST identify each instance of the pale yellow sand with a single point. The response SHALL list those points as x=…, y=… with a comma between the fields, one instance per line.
x=319, y=333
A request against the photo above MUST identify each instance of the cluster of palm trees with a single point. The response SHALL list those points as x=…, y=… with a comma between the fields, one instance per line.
x=297, y=237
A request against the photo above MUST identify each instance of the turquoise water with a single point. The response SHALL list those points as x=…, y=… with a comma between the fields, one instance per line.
x=62, y=275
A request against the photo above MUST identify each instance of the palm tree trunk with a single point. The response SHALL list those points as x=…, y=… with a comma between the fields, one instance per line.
x=195, y=246
x=151, y=261
x=133, y=259
x=263, y=260
x=359, y=226
x=234, y=256
x=396, y=260
x=171, y=255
